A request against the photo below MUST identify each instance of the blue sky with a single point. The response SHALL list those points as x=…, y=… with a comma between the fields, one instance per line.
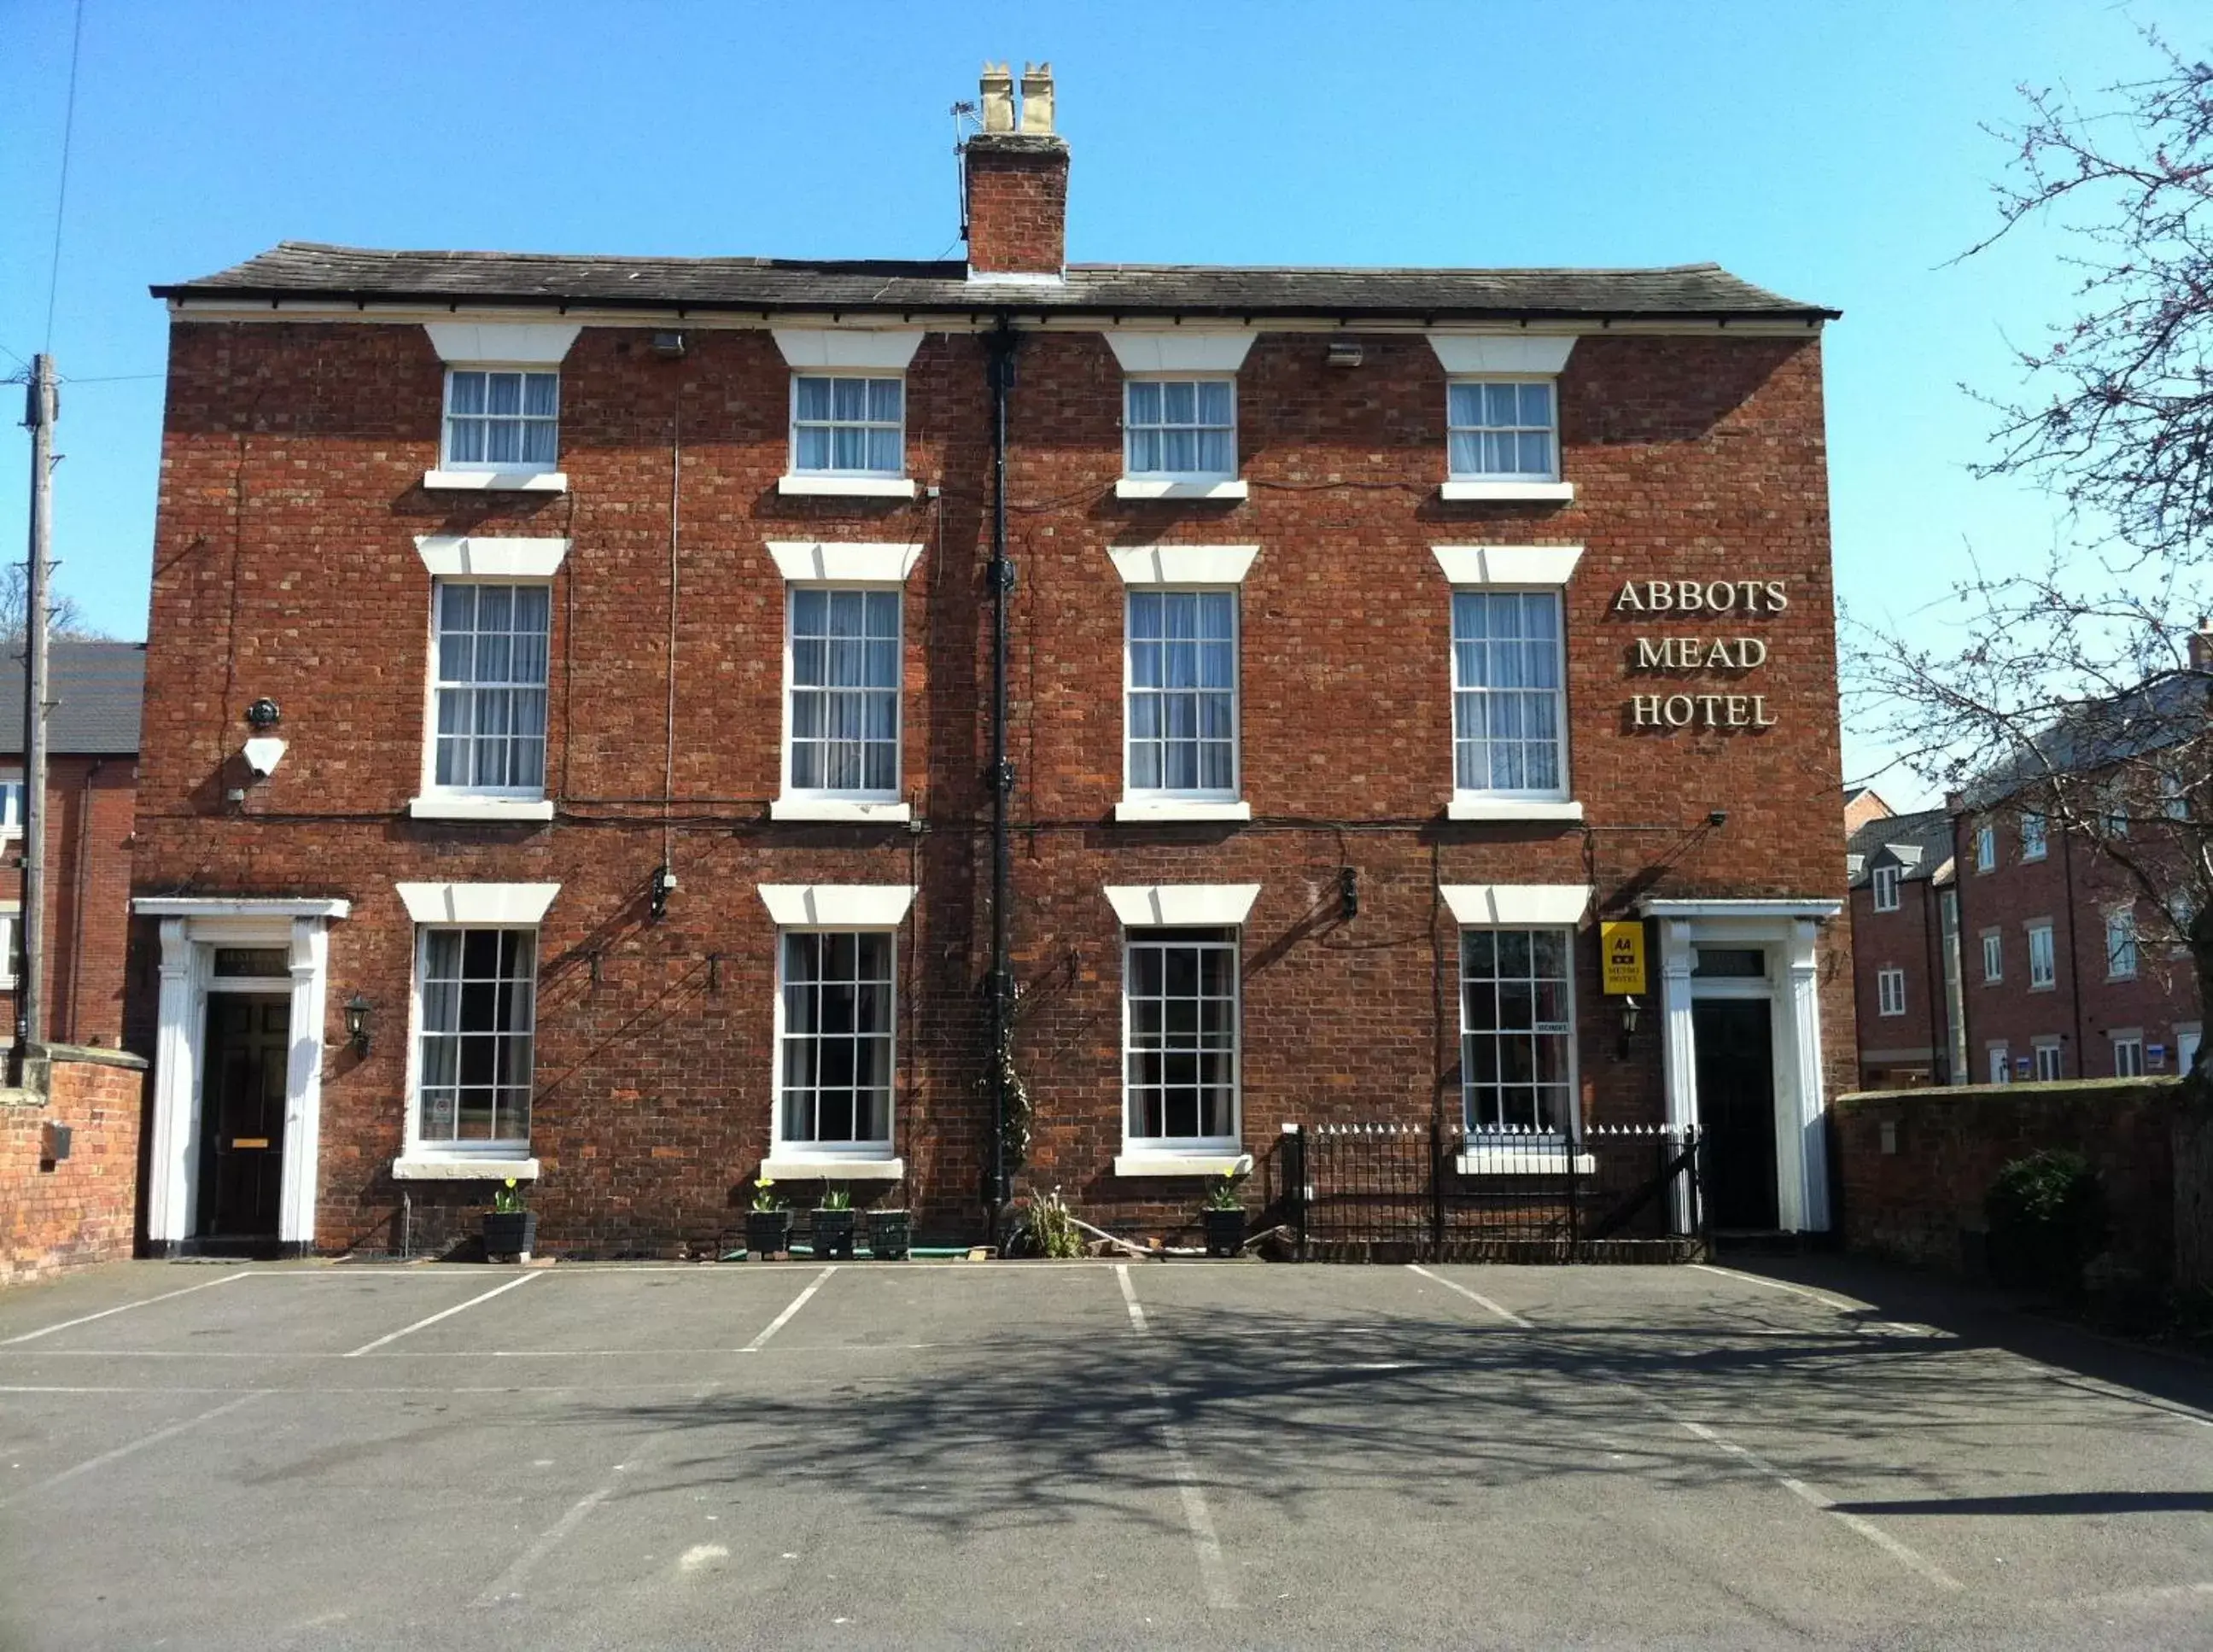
x=1830, y=151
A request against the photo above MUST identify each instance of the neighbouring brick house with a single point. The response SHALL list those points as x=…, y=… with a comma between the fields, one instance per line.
x=92, y=775
x=2070, y=970
x=617, y=638
x=1905, y=946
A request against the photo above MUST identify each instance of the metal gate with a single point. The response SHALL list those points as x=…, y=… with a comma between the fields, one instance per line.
x=1417, y=1192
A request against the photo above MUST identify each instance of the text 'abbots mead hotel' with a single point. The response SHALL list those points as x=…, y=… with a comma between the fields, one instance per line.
x=623, y=723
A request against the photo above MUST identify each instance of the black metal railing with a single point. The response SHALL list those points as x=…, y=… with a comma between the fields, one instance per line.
x=1617, y=1192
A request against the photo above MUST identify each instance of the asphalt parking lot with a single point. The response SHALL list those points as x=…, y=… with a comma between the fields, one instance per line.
x=1082, y=1454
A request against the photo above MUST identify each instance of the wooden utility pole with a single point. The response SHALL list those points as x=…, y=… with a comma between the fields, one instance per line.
x=31, y=988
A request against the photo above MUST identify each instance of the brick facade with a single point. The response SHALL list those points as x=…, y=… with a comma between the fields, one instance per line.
x=1017, y=200
x=2072, y=888
x=292, y=493
x=90, y=815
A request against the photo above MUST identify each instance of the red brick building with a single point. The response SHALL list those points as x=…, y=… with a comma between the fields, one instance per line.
x=92, y=769
x=622, y=638
x=1904, y=907
x=2071, y=970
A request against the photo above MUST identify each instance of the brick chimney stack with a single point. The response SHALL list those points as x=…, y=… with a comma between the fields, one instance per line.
x=2201, y=646
x=1017, y=180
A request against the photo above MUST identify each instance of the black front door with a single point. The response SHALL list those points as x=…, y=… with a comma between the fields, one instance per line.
x=1736, y=1105
x=242, y=1115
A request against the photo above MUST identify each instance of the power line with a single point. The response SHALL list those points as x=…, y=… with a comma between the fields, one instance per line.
x=61, y=194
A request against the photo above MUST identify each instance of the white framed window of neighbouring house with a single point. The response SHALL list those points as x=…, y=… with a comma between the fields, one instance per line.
x=2128, y=1053
x=1180, y=428
x=1890, y=990
x=2032, y=835
x=1885, y=881
x=2121, y=949
x=10, y=940
x=476, y=1016
x=849, y=424
x=843, y=694
x=836, y=1041
x=11, y=804
x=1993, y=955
x=2043, y=969
x=489, y=665
x=2051, y=1061
x=1986, y=847
x=2001, y=1063
x=1181, y=696
x=502, y=418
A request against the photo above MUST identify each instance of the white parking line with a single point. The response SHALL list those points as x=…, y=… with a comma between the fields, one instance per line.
x=139, y=1444
x=509, y=1582
x=1213, y=1574
x=784, y=1318
x=1475, y=1296
x=1806, y=1494
x=1130, y=1295
x=87, y=1319
x=448, y=1314
x=1825, y=1300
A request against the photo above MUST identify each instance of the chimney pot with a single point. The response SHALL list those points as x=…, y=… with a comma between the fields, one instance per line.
x=998, y=90
x=1037, y=97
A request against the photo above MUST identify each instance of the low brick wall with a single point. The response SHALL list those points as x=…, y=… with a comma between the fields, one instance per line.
x=56, y=1214
x=1913, y=1165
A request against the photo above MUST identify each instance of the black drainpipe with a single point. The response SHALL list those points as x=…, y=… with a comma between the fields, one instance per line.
x=999, y=365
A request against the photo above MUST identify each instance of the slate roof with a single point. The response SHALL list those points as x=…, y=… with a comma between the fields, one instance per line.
x=97, y=689
x=2167, y=710
x=295, y=269
x=1920, y=844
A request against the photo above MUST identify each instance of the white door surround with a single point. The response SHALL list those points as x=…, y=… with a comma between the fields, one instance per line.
x=1789, y=932
x=192, y=927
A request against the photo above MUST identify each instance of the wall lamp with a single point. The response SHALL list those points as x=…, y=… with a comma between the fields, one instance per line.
x=357, y=1023
x=1348, y=890
x=1628, y=1013
x=657, y=893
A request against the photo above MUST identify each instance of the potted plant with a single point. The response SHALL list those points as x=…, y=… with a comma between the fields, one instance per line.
x=891, y=1234
x=509, y=1229
x=1223, y=1213
x=768, y=1223
x=833, y=1224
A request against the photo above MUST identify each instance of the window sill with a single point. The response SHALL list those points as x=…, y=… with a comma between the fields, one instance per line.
x=417, y=1168
x=1541, y=490
x=2044, y=986
x=1523, y=1162
x=494, y=809
x=498, y=481
x=1163, y=487
x=1183, y=1164
x=1511, y=808
x=828, y=1167
x=1142, y=811
x=838, y=808
x=853, y=487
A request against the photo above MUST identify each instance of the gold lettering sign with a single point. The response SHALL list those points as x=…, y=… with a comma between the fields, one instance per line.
x=1697, y=600
x=1621, y=956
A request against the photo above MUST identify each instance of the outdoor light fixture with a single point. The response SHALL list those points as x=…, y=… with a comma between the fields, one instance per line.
x=668, y=345
x=357, y=1023
x=1344, y=352
x=1348, y=889
x=1629, y=1008
x=664, y=880
x=1716, y=817
x=263, y=714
